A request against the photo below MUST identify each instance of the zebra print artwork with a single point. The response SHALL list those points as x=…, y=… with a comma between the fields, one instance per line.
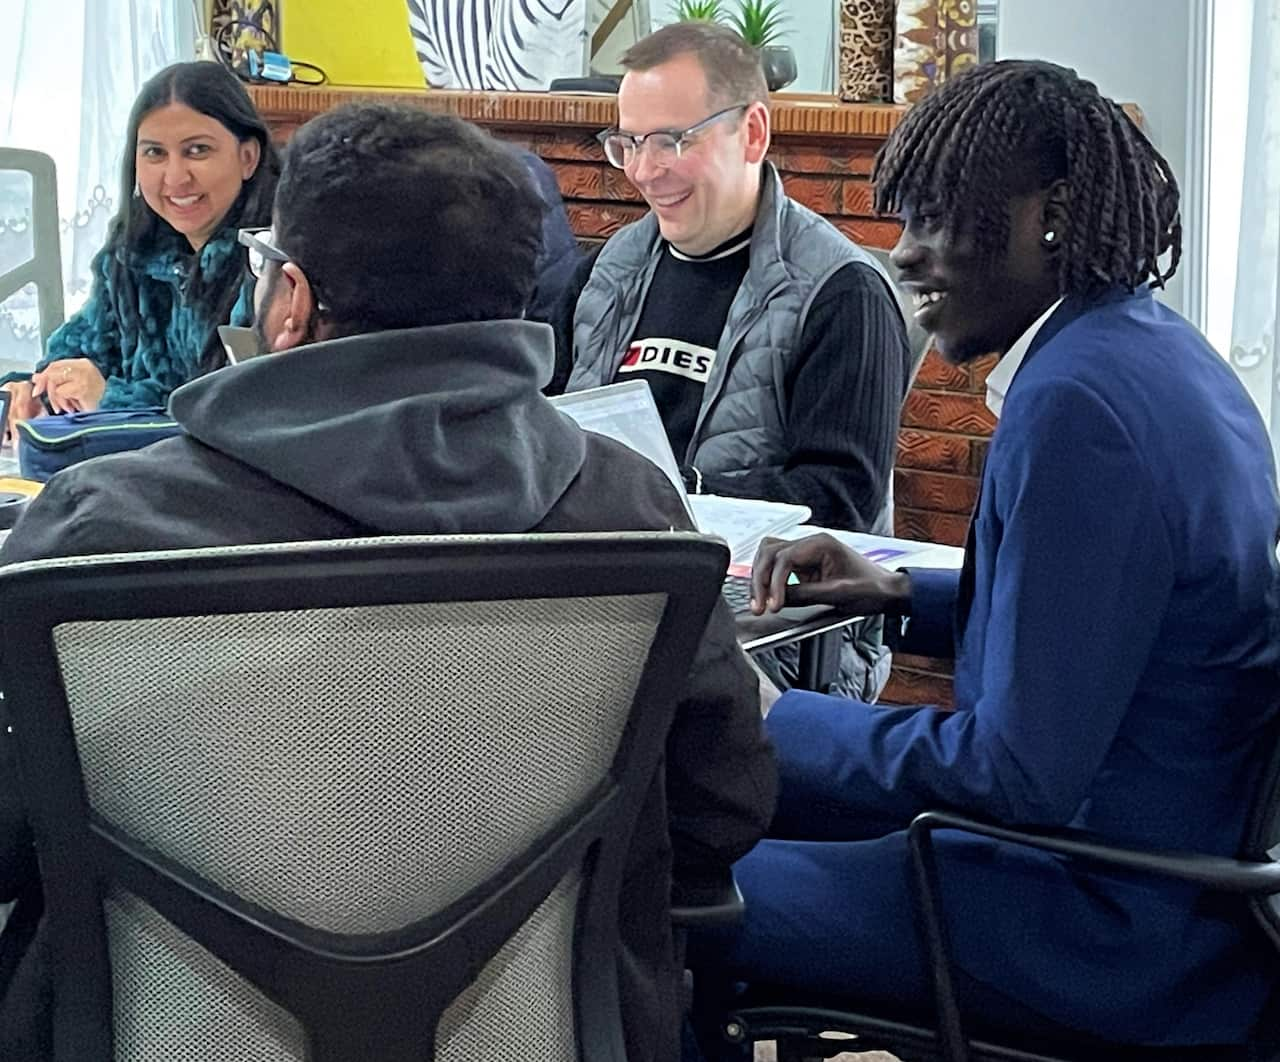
x=499, y=44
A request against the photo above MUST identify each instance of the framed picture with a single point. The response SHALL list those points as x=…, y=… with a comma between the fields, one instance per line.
x=517, y=45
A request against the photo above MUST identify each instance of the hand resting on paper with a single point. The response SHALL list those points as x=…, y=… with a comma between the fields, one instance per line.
x=827, y=573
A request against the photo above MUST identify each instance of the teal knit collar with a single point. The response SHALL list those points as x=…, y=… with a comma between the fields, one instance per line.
x=172, y=254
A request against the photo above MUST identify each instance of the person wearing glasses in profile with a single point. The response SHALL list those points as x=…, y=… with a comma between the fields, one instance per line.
x=773, y=345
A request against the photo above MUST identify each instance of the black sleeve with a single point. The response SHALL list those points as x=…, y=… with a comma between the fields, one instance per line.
x=50, y=525
x=844, y=401
x=17, y=855
x=40, y=532
x=561, y=322
x=721, y=777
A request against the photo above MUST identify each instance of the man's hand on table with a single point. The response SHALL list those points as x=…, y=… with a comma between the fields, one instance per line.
x=827, y=573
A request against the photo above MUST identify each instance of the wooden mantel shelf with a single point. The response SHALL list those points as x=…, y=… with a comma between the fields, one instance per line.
x=793, y=114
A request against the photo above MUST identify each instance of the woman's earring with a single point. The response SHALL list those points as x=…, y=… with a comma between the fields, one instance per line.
x=1050, y=236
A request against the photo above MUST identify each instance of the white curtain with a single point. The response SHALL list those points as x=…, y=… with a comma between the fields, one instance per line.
x=69, y=71
x=1257, y=299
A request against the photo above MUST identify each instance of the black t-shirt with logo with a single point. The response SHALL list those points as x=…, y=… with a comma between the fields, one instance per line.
x=674, y=345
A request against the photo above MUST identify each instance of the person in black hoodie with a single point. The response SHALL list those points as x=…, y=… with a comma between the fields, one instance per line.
x=402, y=395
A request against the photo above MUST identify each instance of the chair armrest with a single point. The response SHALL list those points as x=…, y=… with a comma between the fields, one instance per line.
x=1216, y=872
x=706, y=904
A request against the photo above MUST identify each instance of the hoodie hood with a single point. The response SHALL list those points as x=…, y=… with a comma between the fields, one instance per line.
x=437, y=430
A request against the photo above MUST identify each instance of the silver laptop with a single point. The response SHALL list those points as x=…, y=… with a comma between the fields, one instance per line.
x=626, y=413
x=241, y=344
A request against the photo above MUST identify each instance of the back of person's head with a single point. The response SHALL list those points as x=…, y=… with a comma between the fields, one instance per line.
x=401, y=218
x=1014, y=127
x=732, y=67
x=211, y=90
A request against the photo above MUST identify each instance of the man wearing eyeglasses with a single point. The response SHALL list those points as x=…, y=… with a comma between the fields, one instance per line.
x=773, y=345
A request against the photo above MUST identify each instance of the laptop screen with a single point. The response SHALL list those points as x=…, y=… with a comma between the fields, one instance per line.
x=625, y=412
x=241, y=344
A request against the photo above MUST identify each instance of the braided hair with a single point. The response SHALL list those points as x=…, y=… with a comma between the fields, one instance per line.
x=965, y=150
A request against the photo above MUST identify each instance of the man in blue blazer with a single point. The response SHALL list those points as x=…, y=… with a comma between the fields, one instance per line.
x=1116, y=628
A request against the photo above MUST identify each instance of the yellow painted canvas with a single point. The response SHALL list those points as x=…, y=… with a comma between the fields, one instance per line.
x=365, y=45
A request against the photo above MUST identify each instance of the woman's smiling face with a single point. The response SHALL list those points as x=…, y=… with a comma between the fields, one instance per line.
x=191, y=168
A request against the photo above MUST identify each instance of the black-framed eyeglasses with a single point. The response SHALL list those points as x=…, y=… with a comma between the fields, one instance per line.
x=262, y=249
x=665, y=146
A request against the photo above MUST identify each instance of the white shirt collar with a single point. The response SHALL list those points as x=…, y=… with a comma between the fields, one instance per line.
x=1001, y=376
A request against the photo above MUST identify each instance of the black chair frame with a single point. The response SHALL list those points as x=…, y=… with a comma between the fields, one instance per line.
x=379, y=995
x=770, y=1014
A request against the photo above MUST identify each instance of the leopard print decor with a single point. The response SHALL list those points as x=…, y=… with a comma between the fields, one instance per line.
x=866, y=50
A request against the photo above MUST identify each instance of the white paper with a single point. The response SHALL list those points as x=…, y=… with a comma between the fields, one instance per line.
x=888, y=552
x=744, y=522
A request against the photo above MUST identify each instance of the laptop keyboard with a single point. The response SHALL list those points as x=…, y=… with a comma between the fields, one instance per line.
x=737, y=592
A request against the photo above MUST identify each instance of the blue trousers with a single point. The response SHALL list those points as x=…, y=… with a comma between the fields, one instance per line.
x=839, y=919
x=1038, y=945
x=805, y=928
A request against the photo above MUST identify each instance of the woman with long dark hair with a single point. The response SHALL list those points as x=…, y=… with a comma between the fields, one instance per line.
x=198, y=165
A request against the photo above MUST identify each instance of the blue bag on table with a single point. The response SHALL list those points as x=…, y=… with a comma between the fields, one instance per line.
x=49, y=444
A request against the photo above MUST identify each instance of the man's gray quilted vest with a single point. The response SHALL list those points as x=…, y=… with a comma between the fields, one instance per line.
x=793, y=253
x=740, y=424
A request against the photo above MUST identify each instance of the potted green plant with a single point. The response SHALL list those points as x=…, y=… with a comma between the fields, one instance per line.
x=698, y=11
x=761, y=23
